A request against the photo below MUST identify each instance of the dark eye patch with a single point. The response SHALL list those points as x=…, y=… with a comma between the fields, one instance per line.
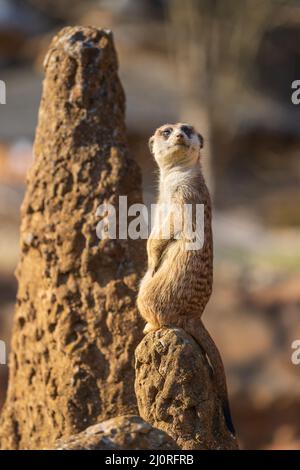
x=188, y=131
x=167, y=132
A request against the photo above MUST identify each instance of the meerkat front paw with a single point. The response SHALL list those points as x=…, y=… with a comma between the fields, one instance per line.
x=149, y=327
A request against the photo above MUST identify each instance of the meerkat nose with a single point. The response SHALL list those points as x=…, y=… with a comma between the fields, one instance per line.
x=179, y=137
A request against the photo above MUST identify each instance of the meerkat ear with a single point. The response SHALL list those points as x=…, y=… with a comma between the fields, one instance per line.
x=201, y=141
x=150, y=143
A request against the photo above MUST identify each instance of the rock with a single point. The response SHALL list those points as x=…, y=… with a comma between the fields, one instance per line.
x=76, y=324
x=122, y=432
x=176, y=393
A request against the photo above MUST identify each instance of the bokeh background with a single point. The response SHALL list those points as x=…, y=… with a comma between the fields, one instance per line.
x=227, y=67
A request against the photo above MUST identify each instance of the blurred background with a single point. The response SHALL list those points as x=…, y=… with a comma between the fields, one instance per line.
x=227, y=67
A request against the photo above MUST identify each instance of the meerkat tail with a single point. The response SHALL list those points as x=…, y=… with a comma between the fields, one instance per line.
x=197, y=330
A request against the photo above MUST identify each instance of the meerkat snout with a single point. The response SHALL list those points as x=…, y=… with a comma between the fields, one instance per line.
x=176, y=144
x=179, y=137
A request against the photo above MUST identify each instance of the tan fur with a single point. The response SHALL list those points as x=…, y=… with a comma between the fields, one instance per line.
x=178, y=282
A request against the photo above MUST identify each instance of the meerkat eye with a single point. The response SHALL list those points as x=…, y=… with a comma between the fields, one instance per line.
x=167, y=132
x=188, y=131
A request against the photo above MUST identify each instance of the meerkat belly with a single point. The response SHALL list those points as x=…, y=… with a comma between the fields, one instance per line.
x=177, y=289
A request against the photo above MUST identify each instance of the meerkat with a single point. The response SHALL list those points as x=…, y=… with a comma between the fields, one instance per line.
x=178, y=281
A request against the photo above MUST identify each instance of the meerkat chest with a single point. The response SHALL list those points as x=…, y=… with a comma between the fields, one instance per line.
x=162, y=210
x=176, y=190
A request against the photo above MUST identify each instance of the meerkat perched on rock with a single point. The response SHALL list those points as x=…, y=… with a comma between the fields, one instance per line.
x=178, y=282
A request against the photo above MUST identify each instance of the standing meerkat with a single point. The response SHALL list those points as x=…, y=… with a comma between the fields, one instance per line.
x=178, y=281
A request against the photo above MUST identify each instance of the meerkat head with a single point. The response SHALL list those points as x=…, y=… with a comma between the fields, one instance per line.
x=176, y=144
